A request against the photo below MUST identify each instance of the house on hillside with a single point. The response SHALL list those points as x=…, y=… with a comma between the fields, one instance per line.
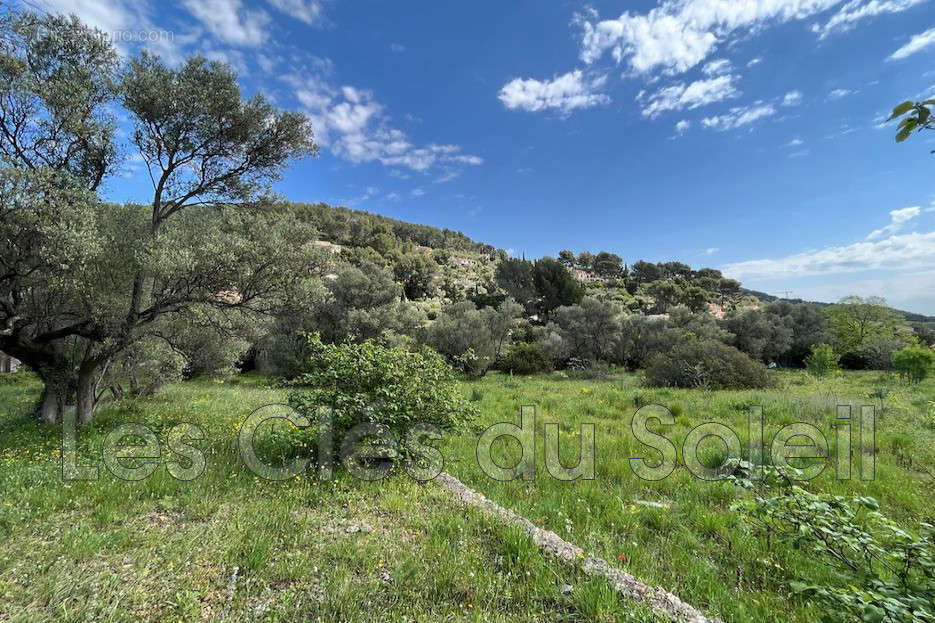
x=583, y=275
x=717, y=311
x=8, y=364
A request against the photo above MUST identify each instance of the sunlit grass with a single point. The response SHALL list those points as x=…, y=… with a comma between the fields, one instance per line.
x=228, y=546
x=679, y=532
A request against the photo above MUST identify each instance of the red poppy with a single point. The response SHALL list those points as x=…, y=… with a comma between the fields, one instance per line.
x=622, y=557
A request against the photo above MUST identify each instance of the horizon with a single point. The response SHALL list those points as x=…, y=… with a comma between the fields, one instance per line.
x=755, y=131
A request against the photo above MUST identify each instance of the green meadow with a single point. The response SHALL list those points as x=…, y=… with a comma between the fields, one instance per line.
x=231, y=546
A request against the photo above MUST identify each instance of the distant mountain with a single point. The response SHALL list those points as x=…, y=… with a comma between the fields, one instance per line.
x=769, y=298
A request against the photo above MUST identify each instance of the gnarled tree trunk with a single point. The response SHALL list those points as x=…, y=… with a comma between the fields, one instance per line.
x=89, y=376
x=54, y=396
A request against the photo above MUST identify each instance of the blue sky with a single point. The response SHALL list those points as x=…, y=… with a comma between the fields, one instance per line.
x=740, y=134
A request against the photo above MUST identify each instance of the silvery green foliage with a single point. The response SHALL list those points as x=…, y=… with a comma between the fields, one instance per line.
x=83, y=281
x=56, y=85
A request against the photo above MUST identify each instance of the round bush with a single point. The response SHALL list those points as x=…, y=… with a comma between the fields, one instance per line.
x=525, y=358
x=706, y=364
x=393, y=388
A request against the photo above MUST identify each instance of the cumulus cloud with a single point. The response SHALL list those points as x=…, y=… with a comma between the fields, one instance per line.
x=792, y=98
x=230, y=22
x=564, y=93
x=917, y=43
x=682, y=126
x=353, y=125
x=739, y=117
x=796, y=142
x=898, y=219
x=901, y=252
x=687, y=97
x=856, y=10
x=678, y=34
x=307, y=11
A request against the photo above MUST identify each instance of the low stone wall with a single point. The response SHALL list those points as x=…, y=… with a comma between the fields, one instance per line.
x=623, y=583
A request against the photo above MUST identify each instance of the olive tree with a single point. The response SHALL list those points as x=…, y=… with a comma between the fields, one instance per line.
x=82, y=280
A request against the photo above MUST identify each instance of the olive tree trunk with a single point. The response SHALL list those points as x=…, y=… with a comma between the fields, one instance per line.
x=87, y=389
x=54, y=396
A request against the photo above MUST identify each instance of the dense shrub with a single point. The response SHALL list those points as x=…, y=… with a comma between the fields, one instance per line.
x=763, y=336
x=810, y=326
x=640, y=338
x=472, y=339
x=822, y=361
x=879, y=352
x=706, y=364
x=914, y=362
x=371, y=383
x=588, y=328
x=525, y=358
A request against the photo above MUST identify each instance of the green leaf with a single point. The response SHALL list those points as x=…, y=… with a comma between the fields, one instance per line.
x=873, y=614
x=903, y=134
x=902, y=109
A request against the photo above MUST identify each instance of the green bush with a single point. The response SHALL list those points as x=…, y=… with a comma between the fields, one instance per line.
x=392, y=388
x=706, y=364
x=914, y=362
x=525, y=358
x=822, y=361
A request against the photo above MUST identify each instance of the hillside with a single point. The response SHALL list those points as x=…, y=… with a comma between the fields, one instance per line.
x=769, y=298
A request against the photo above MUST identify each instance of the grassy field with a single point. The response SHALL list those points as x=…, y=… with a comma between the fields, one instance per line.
x=687, y=539
x=230, y=546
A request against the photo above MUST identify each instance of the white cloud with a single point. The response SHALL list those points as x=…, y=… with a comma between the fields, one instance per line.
x=682, y=126
x=856, y=10
x=564, y=93
x=354, y=126
x=796, y=142
x=109, y=17
x=129, y=25
x=717, y=67
x=230, y=22
x=678, y=34
x=397, y=47
x=840, y=94
x=688, y=97
x=308, y=11
x=916, y=44
x=738, y=117
x=711, y=250
x=754, y=61
x=901, y=252
x=898, y=218
x=417, y=192
x=792, y=98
